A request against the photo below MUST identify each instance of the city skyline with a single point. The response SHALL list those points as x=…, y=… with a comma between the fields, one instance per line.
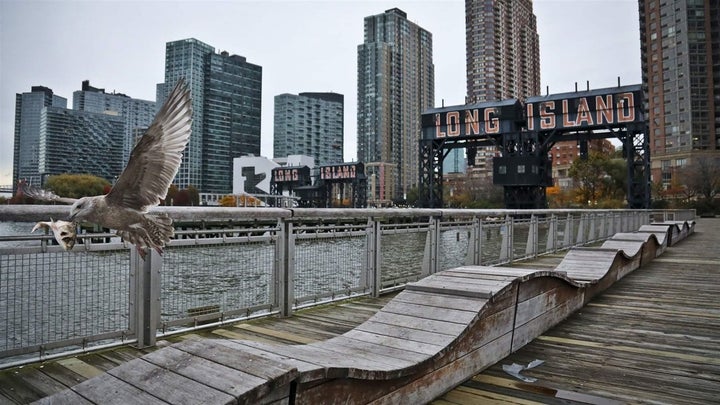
x=68, y=42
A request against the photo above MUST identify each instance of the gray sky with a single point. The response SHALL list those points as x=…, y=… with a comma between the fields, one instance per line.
x=302, y=46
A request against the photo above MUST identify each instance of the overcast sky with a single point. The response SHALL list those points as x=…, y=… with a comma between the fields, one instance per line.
x=302, y=46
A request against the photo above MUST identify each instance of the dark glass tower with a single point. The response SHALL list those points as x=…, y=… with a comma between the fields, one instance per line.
x=28, y=107
x=226, y=96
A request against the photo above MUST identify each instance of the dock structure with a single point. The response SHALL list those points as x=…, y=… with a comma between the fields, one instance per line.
x=442, y=330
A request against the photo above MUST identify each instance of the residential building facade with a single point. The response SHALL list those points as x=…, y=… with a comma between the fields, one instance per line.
x=72, y=141
x=502, y=50
x=680, y=50
x=396, y=82
x=28, y=107
x=309, y=124
x=137, y=114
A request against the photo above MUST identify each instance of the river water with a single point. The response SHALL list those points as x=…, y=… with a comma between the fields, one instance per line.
x=47, y=297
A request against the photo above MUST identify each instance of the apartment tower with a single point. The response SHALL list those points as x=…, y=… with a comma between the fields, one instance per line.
x=680, y=50
x=137, y=114
x=502, y=50
x=226, y=101
x=396, y=82
x=309, y=124
x=28, y=107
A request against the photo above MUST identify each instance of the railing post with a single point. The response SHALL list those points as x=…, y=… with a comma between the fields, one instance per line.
x=580, y=239
x=145, y=295
x=473, y=256
x=591, y=232
x=506, y=251
x=567, y=236
x=432, y=246
x=373, y=263
x=551, y=243
x=285, y=268
x=532, y=242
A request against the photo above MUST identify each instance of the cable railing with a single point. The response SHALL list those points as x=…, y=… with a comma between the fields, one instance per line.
x=230, y=264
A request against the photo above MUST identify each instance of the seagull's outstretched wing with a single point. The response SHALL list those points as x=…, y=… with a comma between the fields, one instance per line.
x=42, y=194
x=155, y=160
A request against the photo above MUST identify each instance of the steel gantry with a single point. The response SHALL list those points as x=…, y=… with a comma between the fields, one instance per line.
x=524, y=135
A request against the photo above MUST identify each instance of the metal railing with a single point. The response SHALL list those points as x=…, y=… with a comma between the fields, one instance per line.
x=230, y=264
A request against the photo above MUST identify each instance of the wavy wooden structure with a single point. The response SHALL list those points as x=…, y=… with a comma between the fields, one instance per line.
x=432, y=336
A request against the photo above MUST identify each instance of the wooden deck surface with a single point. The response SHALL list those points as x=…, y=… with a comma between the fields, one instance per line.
x=652, y=337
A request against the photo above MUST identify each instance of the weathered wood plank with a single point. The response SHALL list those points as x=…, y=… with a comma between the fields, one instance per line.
x=431, y=325
x=108, y=389
x=441, y=300
x=167, y=385
x=430, y=312
x=234, y=382
x=66, y=397
x=415, y=335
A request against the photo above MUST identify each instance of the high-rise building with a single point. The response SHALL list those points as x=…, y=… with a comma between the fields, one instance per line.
x=502, y=50
x=680, y=50
x=226, y=99
x=309, y=124
x=80, y=142
x=28, y=107
x=137, y=114
x=396, y=82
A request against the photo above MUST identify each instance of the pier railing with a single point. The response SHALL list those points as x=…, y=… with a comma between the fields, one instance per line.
x=228, y=264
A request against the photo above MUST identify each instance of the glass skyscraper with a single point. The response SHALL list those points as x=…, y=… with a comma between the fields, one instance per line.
x=226, y=101
x=80, y=142
x=396, y=82
x=309, y=124
x=137, y=114
x=28, y=107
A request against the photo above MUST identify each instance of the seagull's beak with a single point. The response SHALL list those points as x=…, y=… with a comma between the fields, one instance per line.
x=71, y=218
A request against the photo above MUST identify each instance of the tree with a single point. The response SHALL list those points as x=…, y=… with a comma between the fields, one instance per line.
x=703, y=177
x=194, y=195
x=600, y=180
x=171, y=193
x=239, y=201
x=77, y=185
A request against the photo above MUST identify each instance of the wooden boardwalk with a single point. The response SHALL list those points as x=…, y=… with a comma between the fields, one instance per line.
x=670, y=321
x=653, y=337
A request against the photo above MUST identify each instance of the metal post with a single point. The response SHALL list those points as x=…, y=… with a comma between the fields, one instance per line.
x=145, y=296
x=580, y=239
x=284, y=271
x=432, y=242
x=531, y=249
x=551, y=243
x=506, y=248
x=374, y=259
x=472, y=258
x=591, y=232
x=567, y=236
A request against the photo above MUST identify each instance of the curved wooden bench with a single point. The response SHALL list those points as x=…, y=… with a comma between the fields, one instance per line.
x=435, y=334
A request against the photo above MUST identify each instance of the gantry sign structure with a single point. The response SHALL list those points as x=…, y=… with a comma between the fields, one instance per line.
x=347, y=180
x=524, y=133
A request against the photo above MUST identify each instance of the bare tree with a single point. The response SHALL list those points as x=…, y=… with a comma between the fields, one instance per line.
x=703, y=177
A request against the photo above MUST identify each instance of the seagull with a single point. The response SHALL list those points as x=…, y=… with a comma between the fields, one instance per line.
x=153, y=164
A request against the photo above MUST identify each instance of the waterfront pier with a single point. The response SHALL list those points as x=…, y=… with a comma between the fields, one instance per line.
x=313, y=327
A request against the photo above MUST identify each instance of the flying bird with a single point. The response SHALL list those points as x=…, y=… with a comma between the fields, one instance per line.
x=152, y=166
